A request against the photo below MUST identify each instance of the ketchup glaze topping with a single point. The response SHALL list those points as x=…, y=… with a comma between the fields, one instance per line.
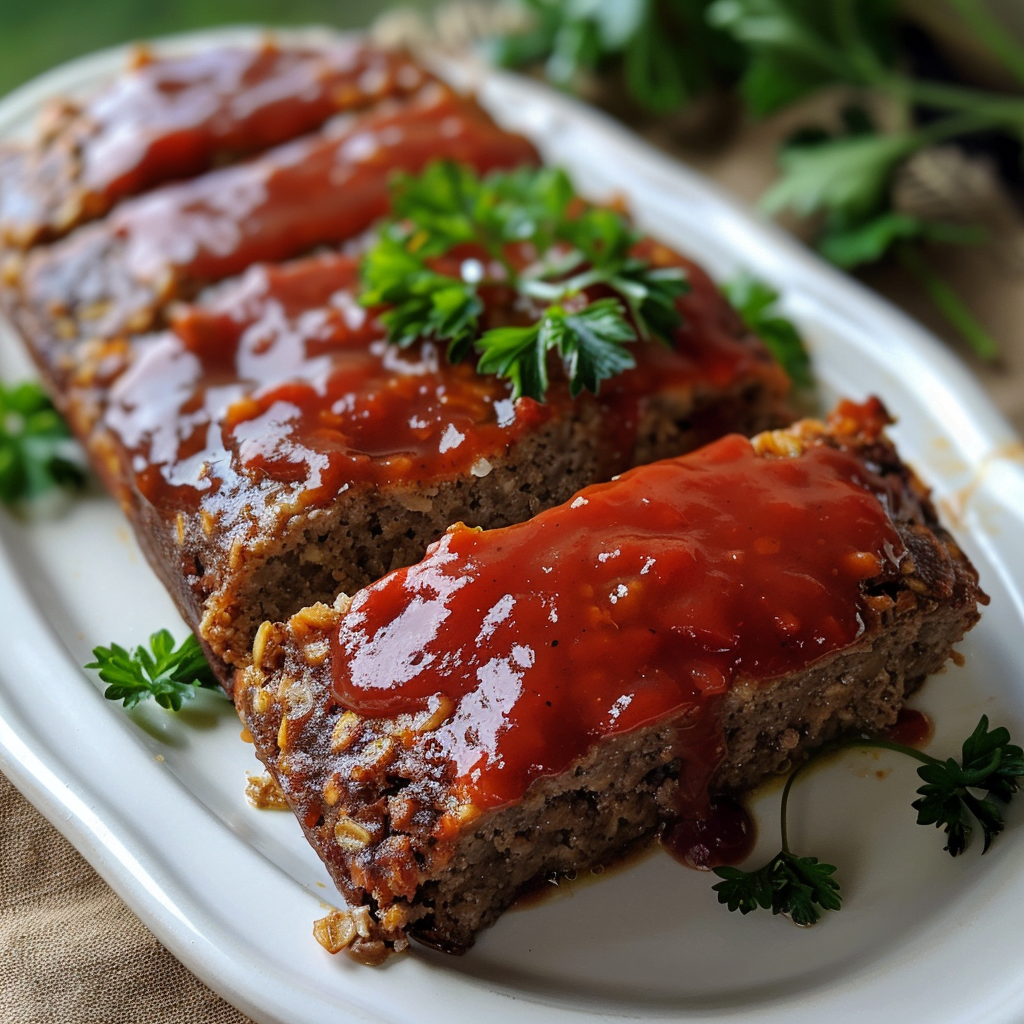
x=284, y=382
x=643, y=599
x=324, y=188
x=172, y=117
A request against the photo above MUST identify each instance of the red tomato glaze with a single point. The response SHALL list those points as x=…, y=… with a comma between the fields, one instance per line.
x=642, y=599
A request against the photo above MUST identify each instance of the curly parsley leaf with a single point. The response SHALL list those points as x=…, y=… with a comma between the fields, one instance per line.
x=167, y=674
x=787, y=884
x=37, y=453
x=423, y=303
x=949, y=799
x=454, y=233
x=756, y=303
x=989, y=762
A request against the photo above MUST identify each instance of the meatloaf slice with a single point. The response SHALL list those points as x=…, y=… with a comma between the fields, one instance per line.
x=174, y=117
x=534, y=699
x=273, y=449
x=116, y=276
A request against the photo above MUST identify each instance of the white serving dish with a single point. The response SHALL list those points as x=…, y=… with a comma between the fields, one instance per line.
x=155, y=801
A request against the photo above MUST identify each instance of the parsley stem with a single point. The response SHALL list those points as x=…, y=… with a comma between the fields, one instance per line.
x=832, y=748
x=861, y=56
x=992, y=35
x=878, y=743
x=998, y=110
x=948, y=302
x=949, y=127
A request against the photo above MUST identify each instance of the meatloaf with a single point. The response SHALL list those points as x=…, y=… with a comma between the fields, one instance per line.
x=117, y=276
x=205, y=340
x=177, y=116
x=273, y=449
x=535, y=698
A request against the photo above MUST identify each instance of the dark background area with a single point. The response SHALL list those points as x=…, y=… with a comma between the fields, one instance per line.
x=35, y=35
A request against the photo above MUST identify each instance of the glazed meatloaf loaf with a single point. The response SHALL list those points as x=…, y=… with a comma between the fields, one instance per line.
x=268, y=445
x=273, y=449
x=80, y=298
x=533, y=699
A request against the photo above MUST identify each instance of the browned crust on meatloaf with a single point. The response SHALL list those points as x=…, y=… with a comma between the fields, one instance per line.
x=384, y=821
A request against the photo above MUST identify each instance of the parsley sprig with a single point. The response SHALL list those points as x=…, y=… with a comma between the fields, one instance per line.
x=167, y=674
x=800, y=887
x=37, y=453
x=846, y=178
x=575, y=249
x=757, y=305
x=664, y=50
x=781, y=51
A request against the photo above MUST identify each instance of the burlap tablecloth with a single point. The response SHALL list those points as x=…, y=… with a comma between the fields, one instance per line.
x=72, y=952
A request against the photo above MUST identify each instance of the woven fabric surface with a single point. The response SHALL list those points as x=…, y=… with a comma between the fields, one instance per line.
x=70, y=951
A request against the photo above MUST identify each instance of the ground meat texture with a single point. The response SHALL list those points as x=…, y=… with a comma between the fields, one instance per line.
x=438, y=853
x=252, y=434
x=287, y=453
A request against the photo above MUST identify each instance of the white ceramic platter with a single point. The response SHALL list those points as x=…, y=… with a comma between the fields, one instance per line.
x=155, y=801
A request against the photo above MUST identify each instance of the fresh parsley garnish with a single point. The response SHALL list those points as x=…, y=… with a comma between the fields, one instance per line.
x=845, y=179
x=454, y=234
x=787, y=884
x=37, y=453
x=167, y=674
x=664, y=53
x=989, y=762
x=756, y=303
x=949, y=799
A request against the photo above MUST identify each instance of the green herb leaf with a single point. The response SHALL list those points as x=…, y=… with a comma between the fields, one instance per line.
x=756, y=303
x=666, y=50
x=166, y=674
x=790, y=885
x=989, y=762
x=797, y=46
x=37, y=453
x=428, y=293
x=850, y=246
x=849, y=175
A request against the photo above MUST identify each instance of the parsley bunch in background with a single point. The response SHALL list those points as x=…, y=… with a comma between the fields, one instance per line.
x=664, y=51
x=785, y=50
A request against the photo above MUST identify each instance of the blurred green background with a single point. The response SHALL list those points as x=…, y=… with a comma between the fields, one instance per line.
x=37, y=34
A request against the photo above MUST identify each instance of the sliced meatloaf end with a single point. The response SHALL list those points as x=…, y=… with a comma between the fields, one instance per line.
x=116, y=277
x=172, y=117
x=535, y=699
x=273, y=450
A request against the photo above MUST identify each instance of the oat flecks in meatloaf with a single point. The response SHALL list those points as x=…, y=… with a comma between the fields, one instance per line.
x=537, y=698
